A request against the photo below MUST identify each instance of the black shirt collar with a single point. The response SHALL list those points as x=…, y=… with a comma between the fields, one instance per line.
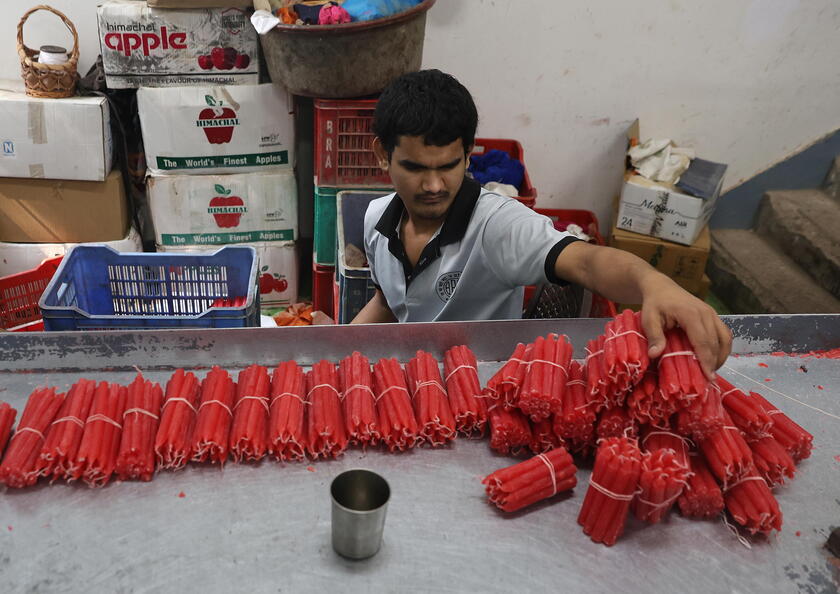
x=453, y=230
x=457, y=219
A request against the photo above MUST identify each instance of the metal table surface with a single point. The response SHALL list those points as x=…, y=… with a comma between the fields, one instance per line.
x=266, y=527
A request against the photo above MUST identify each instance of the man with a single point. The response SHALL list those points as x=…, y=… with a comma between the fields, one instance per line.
x=442, y=248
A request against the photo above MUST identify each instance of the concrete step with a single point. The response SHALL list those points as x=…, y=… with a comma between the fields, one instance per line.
x=752, y=275
x=805, y=225
x=832, y=181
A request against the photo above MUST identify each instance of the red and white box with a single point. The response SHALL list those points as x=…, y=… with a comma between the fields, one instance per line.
x=278, y=270
x=223, y=209
x=216, y=129
x=144, y=46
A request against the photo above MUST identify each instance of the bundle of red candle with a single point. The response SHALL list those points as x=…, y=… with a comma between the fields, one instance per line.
x=704, y=446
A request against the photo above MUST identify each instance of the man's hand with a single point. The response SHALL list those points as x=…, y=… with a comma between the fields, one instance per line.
x=625, y=278
x=665, y=305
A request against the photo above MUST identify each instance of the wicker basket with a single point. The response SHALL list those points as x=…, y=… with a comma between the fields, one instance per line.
x=48, y=80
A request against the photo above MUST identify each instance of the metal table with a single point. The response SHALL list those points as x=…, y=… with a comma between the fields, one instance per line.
x=265, y=527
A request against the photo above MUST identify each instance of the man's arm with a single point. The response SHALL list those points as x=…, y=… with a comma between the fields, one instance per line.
x=623, y=277
x=375, y=312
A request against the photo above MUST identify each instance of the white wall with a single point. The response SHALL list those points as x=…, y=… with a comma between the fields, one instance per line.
x=744, y=82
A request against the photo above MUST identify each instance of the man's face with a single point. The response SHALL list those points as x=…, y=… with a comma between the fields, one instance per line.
x=427, y=178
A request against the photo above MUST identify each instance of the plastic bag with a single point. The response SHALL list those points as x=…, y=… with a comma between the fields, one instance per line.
x=368, y=10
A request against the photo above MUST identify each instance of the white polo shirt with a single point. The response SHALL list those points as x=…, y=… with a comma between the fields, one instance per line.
x=473, y=268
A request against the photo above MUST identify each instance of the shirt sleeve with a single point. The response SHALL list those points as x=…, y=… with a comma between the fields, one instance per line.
x=521, y=246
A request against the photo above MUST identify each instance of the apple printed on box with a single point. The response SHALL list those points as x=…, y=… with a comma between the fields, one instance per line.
x=216, y=129
x=143, y=46
x=227, y=210
x=222, y=209
x=217, y=120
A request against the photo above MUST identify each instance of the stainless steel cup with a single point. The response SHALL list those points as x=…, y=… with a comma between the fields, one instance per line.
x=359, y=502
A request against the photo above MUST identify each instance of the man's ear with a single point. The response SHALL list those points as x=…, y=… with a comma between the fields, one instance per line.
x=469, y=152
x=381, y=154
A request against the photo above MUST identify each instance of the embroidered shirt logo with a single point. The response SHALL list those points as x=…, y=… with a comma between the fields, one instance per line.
x=446, y=284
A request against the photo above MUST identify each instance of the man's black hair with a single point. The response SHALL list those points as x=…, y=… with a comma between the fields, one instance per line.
x=429, y=104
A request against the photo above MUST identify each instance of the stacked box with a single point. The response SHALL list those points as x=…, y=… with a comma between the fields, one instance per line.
x=169, y=47
x=220, y=173
x=685, y=264
x=56, y=183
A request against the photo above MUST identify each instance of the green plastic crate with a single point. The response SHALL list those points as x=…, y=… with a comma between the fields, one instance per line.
x=325, y=230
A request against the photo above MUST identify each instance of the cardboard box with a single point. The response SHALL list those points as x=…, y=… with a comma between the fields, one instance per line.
x=200, y=3
x=221, y=209
x=278, y=266
x=685, y=264
x=145, y=46
x=661, y=211
x=41, y=210
x=702, y=293
x=18, y=257
x=55, y=138
x=216, y=129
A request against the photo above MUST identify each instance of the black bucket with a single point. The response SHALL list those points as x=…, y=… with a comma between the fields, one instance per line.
x=349, y=60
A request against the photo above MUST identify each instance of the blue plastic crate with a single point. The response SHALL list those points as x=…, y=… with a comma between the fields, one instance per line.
x=355, y=287
x=353, y=295
x=98, y=288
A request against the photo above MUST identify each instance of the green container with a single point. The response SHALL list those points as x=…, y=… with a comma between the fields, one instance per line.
x=325, y=230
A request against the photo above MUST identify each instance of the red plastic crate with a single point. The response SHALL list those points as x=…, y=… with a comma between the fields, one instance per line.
x=601, y=307
x=344, y=144
x=527, y=191
x=323, y=278
x=19, y=295
x=584, y=218
x=344, y=147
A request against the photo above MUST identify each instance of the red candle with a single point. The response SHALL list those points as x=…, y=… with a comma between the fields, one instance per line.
x=745, y=411
x=327, y=436
x=100, y=444
x=542, y=390
x=173, y=442
x=612, y=486
x=249, y=430
x=215, y=413
x=58, y=453
x=510, y=431
x=431, y=403
x=136, y=457
x=538, y=478
x=7, y=419
x=398, y=424
x=752, y=505
x=576, y=417
x=287, y=438
x=702, y=497
x=19, y=467
x=360, y=417
x=469, y=408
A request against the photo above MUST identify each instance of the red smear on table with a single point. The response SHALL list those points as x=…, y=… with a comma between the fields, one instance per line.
x=310, y=468
x=767, y=379
x=837, y=458
x=762, y=365
x=820, y=388
x=828, y=354
x=798, y=533
x=9, y=527
x=182, y=494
